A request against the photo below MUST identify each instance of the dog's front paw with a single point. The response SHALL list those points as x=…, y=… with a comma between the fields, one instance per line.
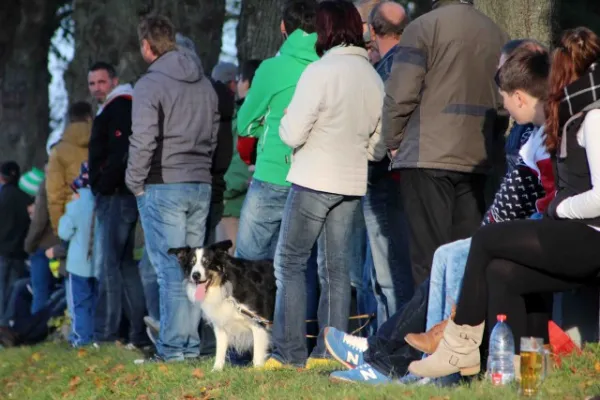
x=218, y=367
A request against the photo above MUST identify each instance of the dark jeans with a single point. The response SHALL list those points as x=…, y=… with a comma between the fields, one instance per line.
x=310, y=216
x=81, y=298
x=120, y=286
x=42, y=280
x=388, y=352
x=214, y=217
x=514, y=267
x=10, y=270
x=441, y=207
x=389, y=243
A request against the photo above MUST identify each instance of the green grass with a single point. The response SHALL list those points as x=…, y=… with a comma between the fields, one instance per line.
x=54, y=371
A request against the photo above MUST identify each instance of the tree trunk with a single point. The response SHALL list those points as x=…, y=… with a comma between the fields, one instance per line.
x=522, y=19
x=26, y=29
x=258, y=31
x=106, y=30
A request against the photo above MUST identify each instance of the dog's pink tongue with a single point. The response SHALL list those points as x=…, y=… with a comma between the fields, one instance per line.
x=200, y=292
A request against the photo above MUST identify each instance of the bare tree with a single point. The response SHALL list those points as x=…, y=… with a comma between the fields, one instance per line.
x=26, y=29
x=534, y=19
x=106, y=30
x=258, y=31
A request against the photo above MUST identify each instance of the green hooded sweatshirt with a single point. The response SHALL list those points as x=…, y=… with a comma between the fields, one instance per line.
x=271, y=92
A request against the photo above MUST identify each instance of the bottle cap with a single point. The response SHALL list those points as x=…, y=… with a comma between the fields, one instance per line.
x=501, y=317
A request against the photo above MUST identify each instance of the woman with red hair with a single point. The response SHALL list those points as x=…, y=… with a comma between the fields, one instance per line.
x=332, y=123
x=512, y=266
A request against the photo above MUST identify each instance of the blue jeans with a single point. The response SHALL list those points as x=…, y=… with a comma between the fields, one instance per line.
x=388, y=238
x=10, y=270
x=260, y=220
x=361, y=267
x=81, y=299
x=447, y=271
x=310, y=216
x=120, y=286
x=174, y=215
x=150, y=284
x=42, y=280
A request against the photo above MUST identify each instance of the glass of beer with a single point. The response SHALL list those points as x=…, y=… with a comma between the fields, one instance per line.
x=532, y=365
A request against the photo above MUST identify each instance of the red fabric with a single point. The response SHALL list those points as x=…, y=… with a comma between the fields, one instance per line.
x=561, y=343
x=547, y=179
x=246, y=148
x=395, y=175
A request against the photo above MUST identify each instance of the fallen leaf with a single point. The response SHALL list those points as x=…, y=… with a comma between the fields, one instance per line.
x=142, y=397
x=439, y=398
x=597, y=367
x=163, y=368
x=198, y=373
x=36, y=356
x=117, y=368
x=81, y=353
x=74, y=382
x=98, y=383
x=91, y=369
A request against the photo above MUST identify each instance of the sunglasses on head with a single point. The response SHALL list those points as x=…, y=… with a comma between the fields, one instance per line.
x=497, y=78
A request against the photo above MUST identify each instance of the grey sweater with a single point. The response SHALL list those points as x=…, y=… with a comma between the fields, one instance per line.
x=175, y=121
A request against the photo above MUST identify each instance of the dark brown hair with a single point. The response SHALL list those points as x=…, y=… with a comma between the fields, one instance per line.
x=80, y=111
x=338, y=23
x=526, y=70
x=159, y=32
x=578, y=49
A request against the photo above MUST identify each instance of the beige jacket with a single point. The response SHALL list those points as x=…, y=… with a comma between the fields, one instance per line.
x=333, y=123
x=64, y=166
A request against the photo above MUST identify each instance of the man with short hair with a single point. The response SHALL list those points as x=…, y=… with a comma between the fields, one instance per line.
x=438, y=112
x=175, y=125
x=120, y=287
x=382, y=206
x=272, y=89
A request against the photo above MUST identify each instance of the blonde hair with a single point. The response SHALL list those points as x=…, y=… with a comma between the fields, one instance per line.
x=159, y=32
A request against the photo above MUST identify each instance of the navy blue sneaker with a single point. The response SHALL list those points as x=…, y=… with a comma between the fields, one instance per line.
x=364, y=373
x=345, y=348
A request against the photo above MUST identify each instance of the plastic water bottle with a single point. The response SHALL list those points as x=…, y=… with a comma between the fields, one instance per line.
x=500, y=365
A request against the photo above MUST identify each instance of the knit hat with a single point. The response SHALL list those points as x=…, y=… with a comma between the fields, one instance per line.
x=31, y=180
x=224, y=72
x=83, y=180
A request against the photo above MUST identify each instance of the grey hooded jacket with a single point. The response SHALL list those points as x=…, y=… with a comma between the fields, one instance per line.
x=175, y=120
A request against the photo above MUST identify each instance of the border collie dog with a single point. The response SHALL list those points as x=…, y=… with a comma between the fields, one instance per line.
x=237, y=297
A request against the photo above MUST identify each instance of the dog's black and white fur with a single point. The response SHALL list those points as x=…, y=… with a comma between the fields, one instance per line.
x=232, y=285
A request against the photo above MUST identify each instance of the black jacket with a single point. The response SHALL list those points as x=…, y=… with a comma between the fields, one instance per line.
x=224, y=151
x=109, y=146
x=15, y=221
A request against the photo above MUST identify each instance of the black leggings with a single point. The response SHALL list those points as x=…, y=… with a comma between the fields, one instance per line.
x=516, y=266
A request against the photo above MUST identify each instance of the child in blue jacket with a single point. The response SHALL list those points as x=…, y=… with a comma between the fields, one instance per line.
x=75, y=226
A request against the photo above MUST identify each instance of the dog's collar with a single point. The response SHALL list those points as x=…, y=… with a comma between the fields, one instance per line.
x=265, y=323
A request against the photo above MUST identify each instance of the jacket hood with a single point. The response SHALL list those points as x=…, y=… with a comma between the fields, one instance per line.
x=300, y=45
x=181, y=64
x=78, y=134
x=125, y=90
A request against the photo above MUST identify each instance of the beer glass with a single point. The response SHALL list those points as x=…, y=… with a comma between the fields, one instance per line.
x=532, y=365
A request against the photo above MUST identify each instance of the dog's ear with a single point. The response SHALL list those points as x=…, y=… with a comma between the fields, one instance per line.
x=223, y=246
x=182, y=253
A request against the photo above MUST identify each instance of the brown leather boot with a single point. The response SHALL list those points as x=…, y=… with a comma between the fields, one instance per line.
x=427, y=342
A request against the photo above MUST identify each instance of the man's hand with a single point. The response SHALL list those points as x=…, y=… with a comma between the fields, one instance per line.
x=140, y=194
x=393, y=153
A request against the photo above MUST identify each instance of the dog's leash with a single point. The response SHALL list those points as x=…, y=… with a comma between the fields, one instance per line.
x=265, y=323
